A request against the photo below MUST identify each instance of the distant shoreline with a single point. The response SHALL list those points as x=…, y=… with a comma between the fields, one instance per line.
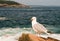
x=12, y=4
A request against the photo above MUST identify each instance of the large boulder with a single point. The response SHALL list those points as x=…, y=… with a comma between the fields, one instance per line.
x=32, y=37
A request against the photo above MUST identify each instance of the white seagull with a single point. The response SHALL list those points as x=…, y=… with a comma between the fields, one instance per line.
x=37, y=27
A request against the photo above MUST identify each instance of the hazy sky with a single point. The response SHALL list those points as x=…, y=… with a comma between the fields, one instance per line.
x=40, y=2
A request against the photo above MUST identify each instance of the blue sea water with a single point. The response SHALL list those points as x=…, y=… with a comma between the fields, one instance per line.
x=14, y=18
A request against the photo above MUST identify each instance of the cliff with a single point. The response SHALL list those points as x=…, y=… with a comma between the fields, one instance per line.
x=12, y=4
x=32, y=37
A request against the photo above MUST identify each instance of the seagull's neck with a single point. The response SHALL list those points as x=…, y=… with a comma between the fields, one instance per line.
x=34, y=22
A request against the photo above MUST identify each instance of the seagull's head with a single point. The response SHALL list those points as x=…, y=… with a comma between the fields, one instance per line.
x=33, y=19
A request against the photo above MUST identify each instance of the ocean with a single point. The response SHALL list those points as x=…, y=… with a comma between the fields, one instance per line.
x=17, y=20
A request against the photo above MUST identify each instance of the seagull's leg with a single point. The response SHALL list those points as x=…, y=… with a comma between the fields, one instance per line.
x=48, y=34
x=37, y=34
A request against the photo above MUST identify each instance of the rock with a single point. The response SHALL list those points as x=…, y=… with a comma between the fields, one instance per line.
x=32, y=37
x=51, y=39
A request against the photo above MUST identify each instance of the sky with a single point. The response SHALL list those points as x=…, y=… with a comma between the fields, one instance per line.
x=40, y=2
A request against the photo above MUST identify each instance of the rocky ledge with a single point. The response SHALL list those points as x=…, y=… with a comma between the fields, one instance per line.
x=32, y=37
x=12, y=4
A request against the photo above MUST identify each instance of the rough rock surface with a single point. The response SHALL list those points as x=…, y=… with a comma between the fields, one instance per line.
x=32, y=37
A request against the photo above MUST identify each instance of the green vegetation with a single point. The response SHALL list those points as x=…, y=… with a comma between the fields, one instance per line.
x=9, y=2
x=4, y=0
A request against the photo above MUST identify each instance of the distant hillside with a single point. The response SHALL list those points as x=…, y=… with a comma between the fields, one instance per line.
x=12, y=4
x=9, y=2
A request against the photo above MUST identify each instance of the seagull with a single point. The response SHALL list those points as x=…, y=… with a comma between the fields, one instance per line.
x=37, y=27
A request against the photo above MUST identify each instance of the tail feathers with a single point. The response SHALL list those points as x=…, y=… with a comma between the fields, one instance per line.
x=50, y=32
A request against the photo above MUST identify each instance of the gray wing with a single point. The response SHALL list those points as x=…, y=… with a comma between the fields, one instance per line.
x=39, y=28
